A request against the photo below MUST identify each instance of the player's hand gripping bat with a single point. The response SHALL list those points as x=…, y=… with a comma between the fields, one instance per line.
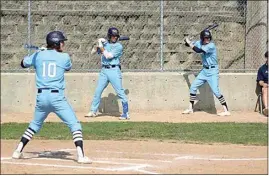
x=97, y=50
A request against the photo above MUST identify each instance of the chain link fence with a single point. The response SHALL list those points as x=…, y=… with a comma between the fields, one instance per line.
x=256, y=34
x=156, y=30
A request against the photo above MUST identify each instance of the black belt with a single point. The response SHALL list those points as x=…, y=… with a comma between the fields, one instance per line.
x=206, y=67
x=52, y=91
x=111, y=66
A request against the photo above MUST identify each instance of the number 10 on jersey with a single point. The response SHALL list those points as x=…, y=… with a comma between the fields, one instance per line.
x=49, y=69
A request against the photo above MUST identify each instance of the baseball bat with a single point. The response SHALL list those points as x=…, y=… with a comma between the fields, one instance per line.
x=124, y=38
x=210, y=27
x=121, y=38
x=32, y=47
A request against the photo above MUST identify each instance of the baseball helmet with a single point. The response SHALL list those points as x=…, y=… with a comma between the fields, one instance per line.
x=205, y=34
x=266, y=54
x=113, y=32
x=54, y=38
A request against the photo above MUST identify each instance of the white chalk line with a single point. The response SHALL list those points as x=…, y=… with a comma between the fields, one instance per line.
x=157, y=154
x=146, y=172
x=95, y=161
x=132, y=166
x=67, y=150
x=187, y=156
x=74, y=167
x=106, y=151
x=219, y=159
x=164, y=161
x=180, y=156
x=134, y=159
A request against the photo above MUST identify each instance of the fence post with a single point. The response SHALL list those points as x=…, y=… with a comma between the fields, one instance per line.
x=267, y=46
x=161, y=34
x=29, y=29
x=29, y=25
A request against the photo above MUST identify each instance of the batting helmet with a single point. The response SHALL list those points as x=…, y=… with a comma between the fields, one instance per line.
x=266, y=54
x=113, y=32
x=205, y=34
x=54, y=38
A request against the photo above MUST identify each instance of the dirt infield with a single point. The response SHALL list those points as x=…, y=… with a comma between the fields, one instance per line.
x=138, y=157
x=135, y=157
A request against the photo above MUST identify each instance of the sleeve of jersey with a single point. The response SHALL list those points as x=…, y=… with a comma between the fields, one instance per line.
x=209, y=48
x=68, y=63
x=196, y=43
x=29, y=61
x=259, y=75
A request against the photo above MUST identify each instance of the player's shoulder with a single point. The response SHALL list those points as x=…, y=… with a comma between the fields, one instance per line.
x=119, y=45
x=261, y=68
x=198, y=42
x=64, y=55
x=211, y=45
x=264, y=67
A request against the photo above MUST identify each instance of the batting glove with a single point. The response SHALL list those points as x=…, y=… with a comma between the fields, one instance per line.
x=101, y=42
x=187, y=40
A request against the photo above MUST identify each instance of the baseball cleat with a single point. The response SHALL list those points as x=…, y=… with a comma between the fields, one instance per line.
x=84, y=160
x=124, y=116
x=225, y=113
x=17, y=155
x=188, y=111
x=91, y=114
x=265, y=111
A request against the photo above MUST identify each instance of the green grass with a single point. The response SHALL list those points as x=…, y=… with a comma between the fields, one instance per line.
x=208, y=133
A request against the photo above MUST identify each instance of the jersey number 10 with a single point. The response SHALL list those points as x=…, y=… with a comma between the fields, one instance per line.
x=49, y=69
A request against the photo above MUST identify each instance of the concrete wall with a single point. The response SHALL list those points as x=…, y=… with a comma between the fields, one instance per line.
x=146, y=91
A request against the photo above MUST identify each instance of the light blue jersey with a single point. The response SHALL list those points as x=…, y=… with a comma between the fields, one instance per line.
x=116, y=49
x=50, y=66
x=208, y=74
x=209, y=58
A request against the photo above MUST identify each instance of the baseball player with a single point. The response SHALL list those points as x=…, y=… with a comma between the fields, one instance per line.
x=262, y=79
x=111, y=52
x=50, y=65
x=210, y=71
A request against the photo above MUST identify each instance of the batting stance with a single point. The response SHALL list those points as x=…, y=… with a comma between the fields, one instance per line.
x=50, y=65
x=111, y=52
x=210, y=71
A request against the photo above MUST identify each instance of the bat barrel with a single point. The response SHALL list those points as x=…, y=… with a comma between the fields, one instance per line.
x=31, y=47
x=124, y=38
